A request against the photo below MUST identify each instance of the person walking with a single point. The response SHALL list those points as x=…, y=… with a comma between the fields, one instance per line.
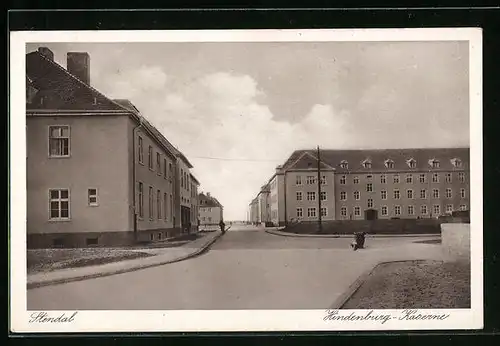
x=222, y=226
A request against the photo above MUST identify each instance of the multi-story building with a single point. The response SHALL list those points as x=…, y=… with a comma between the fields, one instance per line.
x=263, y=214
x=195, y=184
x=210, y=210
x=253, y=211
x=361, y=184
x=98, y=173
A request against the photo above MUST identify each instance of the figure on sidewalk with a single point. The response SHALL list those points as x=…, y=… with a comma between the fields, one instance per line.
x=359, y=241
x=222, y=226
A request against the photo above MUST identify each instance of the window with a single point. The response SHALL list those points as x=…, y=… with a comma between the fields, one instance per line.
x=463, y=207
x=369, y=187
x=92, y=195
x=158, y=163
x=383, y=194
x=457, y=163
x=462, y=193
x=311, y=196
x=323, y=180
x=383, y=179
x=165, y=206
x=449, y=208
x=151, y=197
x=435, y=193
x=409, y=178
x=397, y=210
x=367, y=164
x=369, y=177
x=448, y=193
x=158, y=204
x=389, y=164
x=311, y=212
x=323, y=212
x=299, y=196
x=423, y=193
x=344, y=164
x=434, y=163
x=423, y=209
x=140, y=150
x=342, y=180
x=92, y=241
x=461, y=177
x=422, y=178
x=396, y=178
x=343, y=196
x=356, y=195
x=370, y=203
x=59, y=204
x=343, y=211
x=357, y=211
x=299, y=212
x=411, y=210
x=412, y=163
x=141, y=200
x=355, y=180
x=435, y=178
x=171, y=206
x=59, y=141
x=384, y=210
x=436, y=209
x=323, y=195
x=165, y=168
x=409, y=194
x=298, y=180
x=150, y=157
x=310, y=179
x=396, y=194
x=448, y=177
x=170, y=170
x=182, y=177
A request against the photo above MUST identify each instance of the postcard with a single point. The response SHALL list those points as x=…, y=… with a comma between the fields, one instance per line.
x=246, y=180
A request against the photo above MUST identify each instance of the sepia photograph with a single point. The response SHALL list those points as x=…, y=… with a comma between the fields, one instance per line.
x=246, y=180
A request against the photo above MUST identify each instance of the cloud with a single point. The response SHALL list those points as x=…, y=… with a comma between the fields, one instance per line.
x=218, y=116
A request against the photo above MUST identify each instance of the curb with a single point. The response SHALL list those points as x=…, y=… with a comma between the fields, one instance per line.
x=196, y=253
x=356, y=285
x=298, y=235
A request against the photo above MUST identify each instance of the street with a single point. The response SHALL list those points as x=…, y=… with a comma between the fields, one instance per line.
x=246, y=269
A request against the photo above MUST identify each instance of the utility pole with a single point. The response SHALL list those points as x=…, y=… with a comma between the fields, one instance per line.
x=320, y=226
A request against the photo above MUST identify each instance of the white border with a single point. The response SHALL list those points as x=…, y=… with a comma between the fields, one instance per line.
x=235, y=320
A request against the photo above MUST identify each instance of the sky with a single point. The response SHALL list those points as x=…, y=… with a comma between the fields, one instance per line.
x=237, y=110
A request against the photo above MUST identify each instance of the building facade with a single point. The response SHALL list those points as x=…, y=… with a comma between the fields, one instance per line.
x=365, y=184
x=98, y=173
x=211, y=212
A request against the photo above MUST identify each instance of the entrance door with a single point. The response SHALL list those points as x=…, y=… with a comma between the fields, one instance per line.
x=371, y=214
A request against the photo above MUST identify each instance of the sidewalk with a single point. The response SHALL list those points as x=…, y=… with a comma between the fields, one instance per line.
x=289, y=234
x=163, y=256
x=361, y=263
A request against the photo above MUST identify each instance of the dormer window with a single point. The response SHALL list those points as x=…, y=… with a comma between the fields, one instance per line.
x=434, y=163
x=344, y=164
x=389, y=163
x=367, y=163
x=412, y=163
x=456, y=162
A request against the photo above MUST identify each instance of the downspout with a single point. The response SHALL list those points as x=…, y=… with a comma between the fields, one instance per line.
x=134, y=208
x=284, y=184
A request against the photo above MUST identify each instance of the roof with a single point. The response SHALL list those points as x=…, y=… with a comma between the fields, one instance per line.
x=60, y=89
x=378, y=157
x=63, y=91
x=194, y=178
x=209, y=201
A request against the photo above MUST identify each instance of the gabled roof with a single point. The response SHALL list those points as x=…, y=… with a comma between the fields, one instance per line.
x=60, y=89
x=208, y=201
x=194, y=179
x=355, y=158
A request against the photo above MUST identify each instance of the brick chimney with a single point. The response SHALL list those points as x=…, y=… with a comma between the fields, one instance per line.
x=46, y=53
x=208, y=194
x=78, y=64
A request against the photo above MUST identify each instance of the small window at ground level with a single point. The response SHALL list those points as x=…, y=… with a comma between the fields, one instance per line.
x=92, y=241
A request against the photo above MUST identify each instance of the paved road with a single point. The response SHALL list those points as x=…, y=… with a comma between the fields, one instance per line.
x=246, y=269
